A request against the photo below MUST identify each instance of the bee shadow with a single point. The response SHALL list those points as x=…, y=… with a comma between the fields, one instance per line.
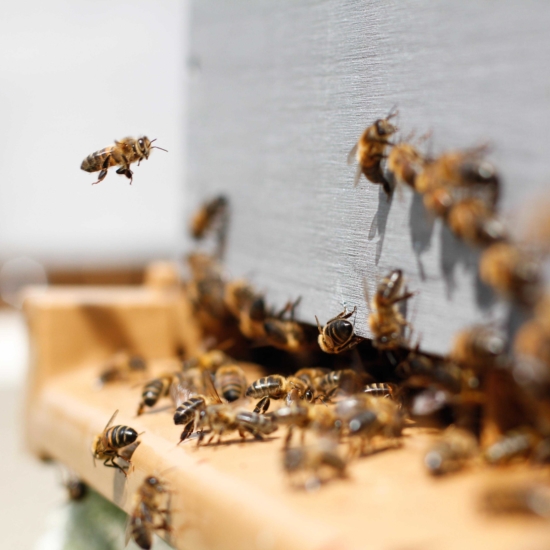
x=380, y=220
x=238, y=441
x=421, y=224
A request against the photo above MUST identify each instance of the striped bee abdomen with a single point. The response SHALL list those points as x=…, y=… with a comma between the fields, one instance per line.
x=272, y=386
x=187, y=410
x=120, y=436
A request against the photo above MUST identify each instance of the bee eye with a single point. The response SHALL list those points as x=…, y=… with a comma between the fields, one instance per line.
x=140, y=141
x=309, y=395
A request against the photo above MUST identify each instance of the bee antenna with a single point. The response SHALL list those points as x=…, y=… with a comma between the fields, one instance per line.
x=155, y=147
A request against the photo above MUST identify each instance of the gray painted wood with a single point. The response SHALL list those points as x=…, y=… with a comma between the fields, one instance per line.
x=281, y=90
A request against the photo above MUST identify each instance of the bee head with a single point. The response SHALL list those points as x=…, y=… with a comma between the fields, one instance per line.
x=143, y=145
x=384, y=128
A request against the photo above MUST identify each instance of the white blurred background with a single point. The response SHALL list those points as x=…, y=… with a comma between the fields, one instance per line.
x=74, y=76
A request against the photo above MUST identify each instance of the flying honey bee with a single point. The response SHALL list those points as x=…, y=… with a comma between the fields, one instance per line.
x=154, y=390
x=479, y=348
x=370, y=150
x=278, y=387
x=211, y=214
x=512, y=272
x=148, y=516
x=404, y=163
x=338, y=334
x=122, y=153
x=451, y=452
x=107, y=444
x=316, y=463
x=230, y=382
x=120, y=367
x=385, y=320
x=472, y=221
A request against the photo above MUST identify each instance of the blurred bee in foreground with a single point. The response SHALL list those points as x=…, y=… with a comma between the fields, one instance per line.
x=278, y=387
x=311, y=465
x=451, y=452
x=106, y=445
x=522, y=498
x=479, y=347
x=385, y=320
x=120, y=367
x=338, y=334
x=122, y=153
x=369, y=152
x=76, y=488
x=512, y=272
x=148, y=515
x=514, y=445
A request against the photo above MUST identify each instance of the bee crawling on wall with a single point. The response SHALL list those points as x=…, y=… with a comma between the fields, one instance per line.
x=247, y=306
x=107, y=444
x=385, y=320
x=211, y=215
x=338, y=334
x=150, y=512
x=370, y=149
x=122, y=153
x=405, y=162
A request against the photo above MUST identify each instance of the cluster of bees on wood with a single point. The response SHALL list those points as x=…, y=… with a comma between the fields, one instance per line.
x=348, y=396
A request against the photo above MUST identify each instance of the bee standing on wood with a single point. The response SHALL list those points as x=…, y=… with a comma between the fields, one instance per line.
x=122, y=153
x=369, y=152
x=107, y=444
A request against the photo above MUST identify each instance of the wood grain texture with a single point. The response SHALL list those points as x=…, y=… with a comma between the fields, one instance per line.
x=279, y=93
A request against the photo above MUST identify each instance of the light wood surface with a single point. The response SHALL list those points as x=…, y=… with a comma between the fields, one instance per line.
x=234, y=495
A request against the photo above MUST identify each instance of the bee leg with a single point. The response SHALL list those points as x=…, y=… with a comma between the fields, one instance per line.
x=242, y=433
x=200, y=438
x=101, y=177
x=187, y=431
x=114, y=465
x=288, y=438
x=263, y=405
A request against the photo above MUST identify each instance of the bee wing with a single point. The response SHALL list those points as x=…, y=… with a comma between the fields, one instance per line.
x=182, y=389
x=210, y=389
x=111, y=420
x=352, y=155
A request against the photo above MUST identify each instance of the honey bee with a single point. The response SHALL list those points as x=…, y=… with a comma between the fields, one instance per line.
x=286, y=334
x=365, y=417
x=515, y=444
x=511, y=272
x=346, y=380
x=247, y=306
x=317, y=418
x=338, y=334
x=122, y=153
x=230, y=382
x=523, y=498
x=319, y=462
x=278, y=387
x=451, y=452
x=206, y=287
x=208, y=216
x=385, y=320
x=479, y=348
x=369, y=152
x=76, y=488
x=107, y=444
x=148, y=516
x=461, y=170
x=532, y=346
x=311, y=375
x=472, y=221
x=154, y=390
x=381, y=389
x=120, y=366
x=404, y=163
x=222, y=418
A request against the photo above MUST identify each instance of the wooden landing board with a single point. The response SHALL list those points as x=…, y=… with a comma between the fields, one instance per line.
x=235, y=496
